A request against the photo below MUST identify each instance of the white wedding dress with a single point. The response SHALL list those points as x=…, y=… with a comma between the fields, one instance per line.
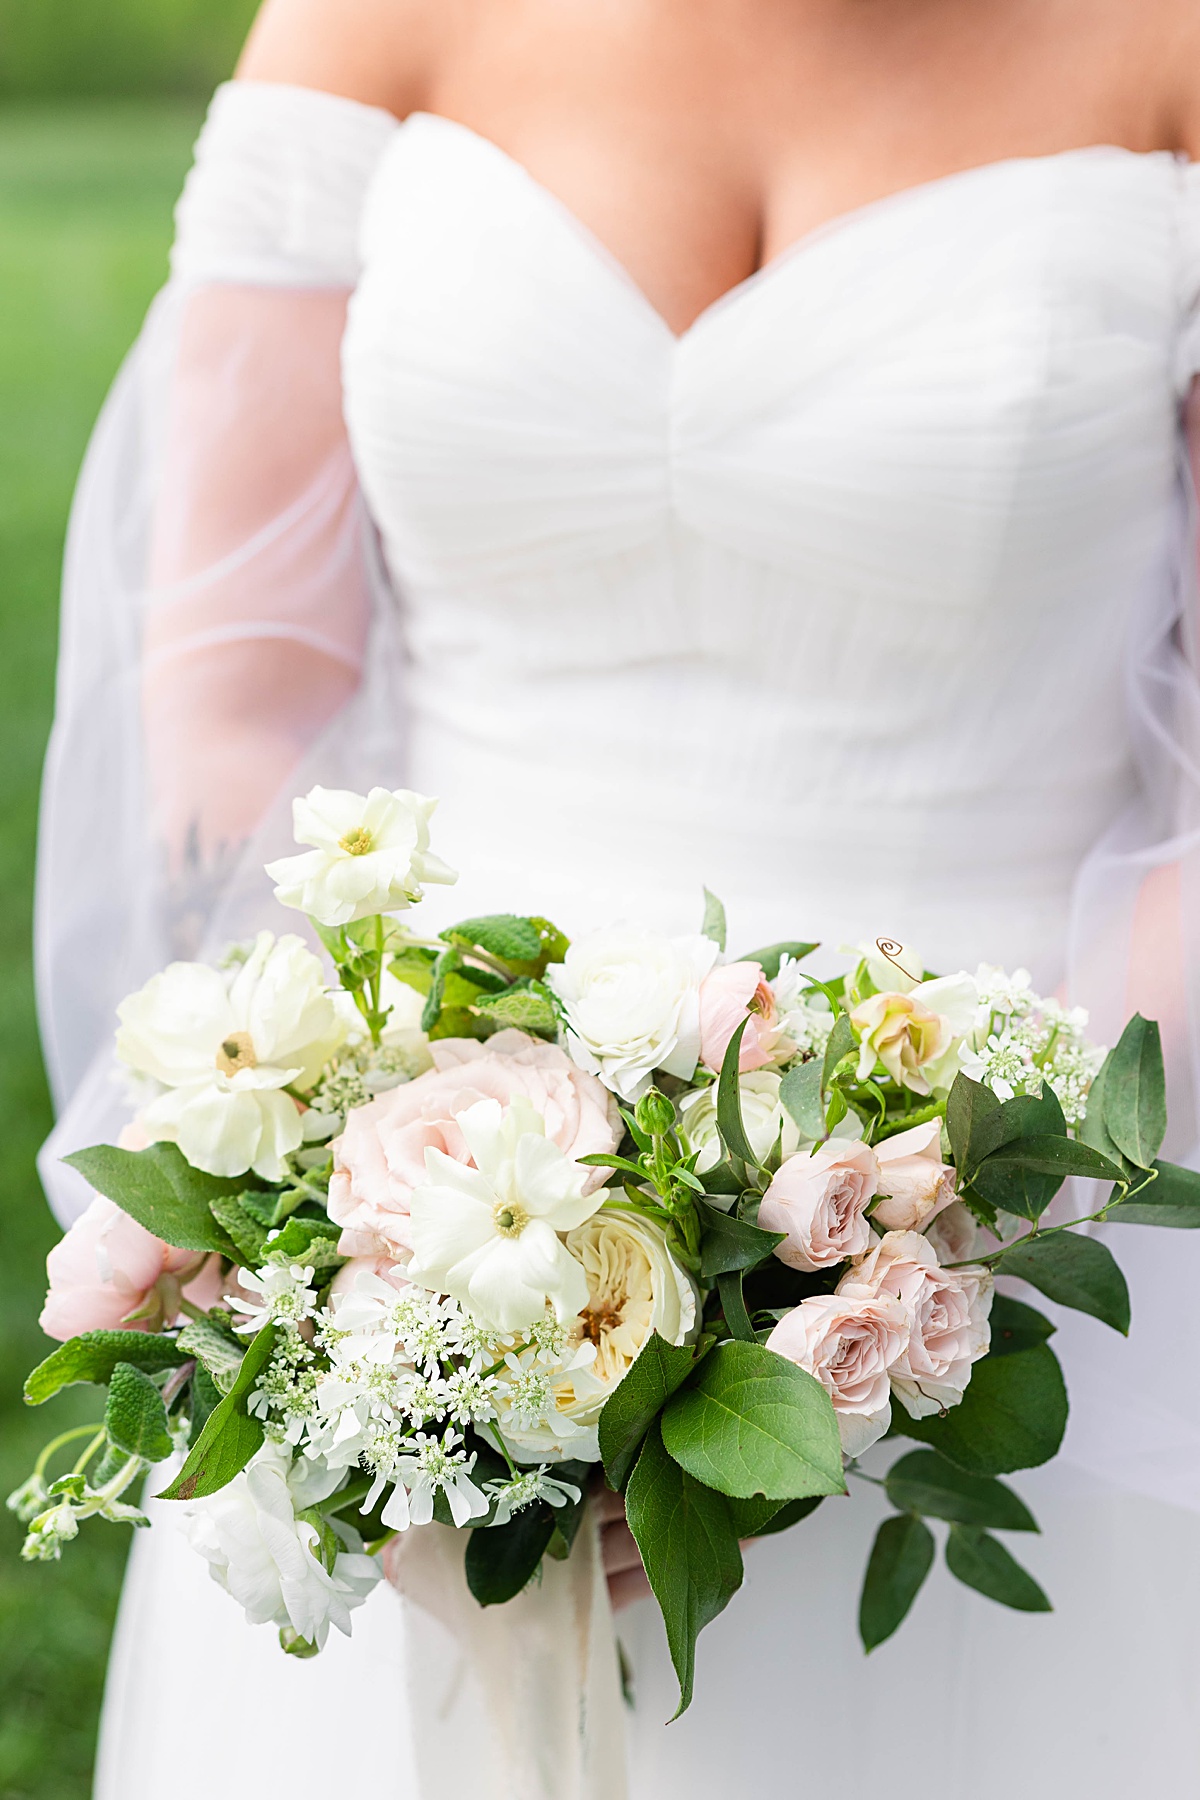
x=856, y=602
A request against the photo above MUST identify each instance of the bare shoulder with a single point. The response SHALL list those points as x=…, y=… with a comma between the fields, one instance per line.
x=381, y=52
x=1177, y=48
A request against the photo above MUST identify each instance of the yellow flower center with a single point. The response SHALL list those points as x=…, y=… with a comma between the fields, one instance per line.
x=357, y=842
x=509, y=1219
x=236, y=1052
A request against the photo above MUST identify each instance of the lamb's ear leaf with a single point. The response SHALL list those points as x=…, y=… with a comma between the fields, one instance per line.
x=135, y=1417
x=93, y=1357
x=231, y=1434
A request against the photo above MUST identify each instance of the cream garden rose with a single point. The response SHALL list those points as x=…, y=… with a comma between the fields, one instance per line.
x=223, y=1045
x=820, y=1200
x=632, y=1004
x=370, y=854
x=948, y=1313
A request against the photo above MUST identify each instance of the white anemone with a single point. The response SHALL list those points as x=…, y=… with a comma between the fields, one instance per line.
x=370, y=854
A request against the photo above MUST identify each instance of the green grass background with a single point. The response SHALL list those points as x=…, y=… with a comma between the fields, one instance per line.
x=86, y=193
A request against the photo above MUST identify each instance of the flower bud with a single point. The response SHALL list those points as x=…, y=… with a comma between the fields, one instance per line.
x=654, y=1113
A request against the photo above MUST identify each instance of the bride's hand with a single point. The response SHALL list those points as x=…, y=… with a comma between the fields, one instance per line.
x=622, y=1558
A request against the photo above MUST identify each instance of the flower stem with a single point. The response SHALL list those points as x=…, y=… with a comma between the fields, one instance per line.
x=66, y=1437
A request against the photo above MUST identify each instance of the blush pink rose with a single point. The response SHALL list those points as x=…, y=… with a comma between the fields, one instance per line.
x=849, y=1343
x=729, y=994
x=821, y=1201
x=108, y=1267
x=380, y=1157
x=915, y=1182
x=948, y=1311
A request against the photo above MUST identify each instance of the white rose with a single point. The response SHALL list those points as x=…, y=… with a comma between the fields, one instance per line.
x=763, y=1115
x=223, y=1046
x=371, y=854
x=634, y=1287
x=266, y=1557
x=488, y=1235
x=631, y=998
x=849, y=1343
x=948, y=1311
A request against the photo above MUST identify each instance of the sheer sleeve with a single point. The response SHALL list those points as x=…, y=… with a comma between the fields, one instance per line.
x=227, y=632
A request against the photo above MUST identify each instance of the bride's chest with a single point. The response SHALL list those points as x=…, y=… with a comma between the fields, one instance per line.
x=971, y=386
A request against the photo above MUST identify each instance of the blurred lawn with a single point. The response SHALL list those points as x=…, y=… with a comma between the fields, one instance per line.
x=85, y=220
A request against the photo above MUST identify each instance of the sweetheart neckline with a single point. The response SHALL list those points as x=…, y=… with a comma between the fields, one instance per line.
x=792, y=253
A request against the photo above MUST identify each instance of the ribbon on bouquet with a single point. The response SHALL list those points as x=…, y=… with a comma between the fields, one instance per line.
x=520, y=1701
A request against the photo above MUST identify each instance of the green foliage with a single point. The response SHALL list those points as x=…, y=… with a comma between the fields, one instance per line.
x=309, y=1241
x=502, y=1559
x=985, y=1565
x=714, y=925
x=660, y=1368
x=230, y=1436
x=763, y=1518
x=802, y=1093
x=246, y=1233
x=414, y=966
x=94, y=1356
x=1012, y=1415
x=1016, y=1326
x=728, y=1243
x=162, y=1191
x=526, y=1006
x=135, y=1417
x=1172, y=1199
x=770, y=957
x=504, y=935
x=729, y=1102
x=752, y=1423
x=1135, y=1093
x=733, y=1304
x=901, y=1557
x=1016, y=1155
x=689, y=1547
x=216, y=1348
x=61, y=48
x=1076, y=1271
x=924, y=1482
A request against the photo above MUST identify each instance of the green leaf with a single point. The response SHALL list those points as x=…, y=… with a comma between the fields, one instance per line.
x=159, y=1188
x=1093, y=1130
x=924, y=1482
x=985, y=1565
x=94, y=1356
x=728, y=1243
x=713, y=925
x=1016, y=1326
x=230, y=1436
x=1135, y=1093
x=512, y=939
x=1024, y=1175
x=901, y=1558
x=247, y=1235
x=135, y=1417
x=733, y=1305
x=1076, y=1271
x=639, y=1396
x=729, y=1101
x=446, y=963
x=841, y=1042
x=502, y=1559
x=215, y=1348
x=312, y=1242
x=800, y=1091
x=770, y=957
x=527, y=1007
x=205, y=1399
x=690, y=1550
x=414, y=966
x=752, y=1423
x=1173, y=1200
x=969, y=1105
x=763, y=1518
x=1012, y=1416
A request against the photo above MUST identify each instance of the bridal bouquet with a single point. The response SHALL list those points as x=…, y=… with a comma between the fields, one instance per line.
x=498, y=1216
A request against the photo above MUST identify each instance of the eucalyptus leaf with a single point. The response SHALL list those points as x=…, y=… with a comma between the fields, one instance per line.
x=135, y=1417
x=159, y=1188
x=901, y=1557
x=981, y=1562
x=660, y=1368
x=924, y=1482
x=689, y=1548
x=230, y=1436
x=1093, y=1130
x=1012, y=1415
x=1135, y=1093
x=752, y=1423
x=1077, y=1271
x=93, y=1357
x=968, y=1105
x=800, y=1092
x=770, y=957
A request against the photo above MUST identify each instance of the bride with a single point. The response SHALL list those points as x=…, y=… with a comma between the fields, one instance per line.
x=704, y=441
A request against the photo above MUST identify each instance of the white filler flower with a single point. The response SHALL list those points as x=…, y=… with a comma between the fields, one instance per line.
x=632, y=1003
x=488, y=1235
x=369, y=855
x=223, y=1046
x=267, y=1557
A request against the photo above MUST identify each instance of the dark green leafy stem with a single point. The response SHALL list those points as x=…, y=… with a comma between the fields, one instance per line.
x=983, y=1563
x=230, y=1436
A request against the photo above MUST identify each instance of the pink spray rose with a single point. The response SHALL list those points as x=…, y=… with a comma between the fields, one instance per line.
x=849, y=1343
x=729, y=994
x=916, y=1183
x=820, y=1200
x=380, y=1157
x=948, y=1309
x=108, y=1267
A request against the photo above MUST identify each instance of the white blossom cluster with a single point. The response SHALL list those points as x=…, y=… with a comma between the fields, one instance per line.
x=1021, y=1041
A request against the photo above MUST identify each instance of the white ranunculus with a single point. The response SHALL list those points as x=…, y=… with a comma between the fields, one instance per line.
x=916, y=1035
x=266, y=1557
x=631, y=998
x=763, y=1115
x=488, y=1235
x=634, y=1287
x=223, y=1045
x=370, y=854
